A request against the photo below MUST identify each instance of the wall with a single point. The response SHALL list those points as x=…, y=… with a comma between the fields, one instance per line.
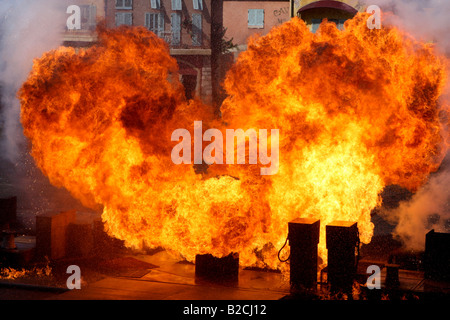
x=194, y=60
x=140, y=7
x=235, y=18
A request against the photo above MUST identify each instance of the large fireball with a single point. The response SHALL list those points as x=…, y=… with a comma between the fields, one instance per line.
x=357, y=110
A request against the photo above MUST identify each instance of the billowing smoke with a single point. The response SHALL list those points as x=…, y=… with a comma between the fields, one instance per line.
x=28, y=28
x=429, y=208
x=424, y=19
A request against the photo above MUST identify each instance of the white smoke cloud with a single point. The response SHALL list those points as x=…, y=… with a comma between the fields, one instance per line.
x=426, y=20
x=429, y=208
x=28, y=28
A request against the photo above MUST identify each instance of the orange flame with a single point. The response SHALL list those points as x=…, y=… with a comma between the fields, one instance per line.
x=12, y=274
x=357, y=110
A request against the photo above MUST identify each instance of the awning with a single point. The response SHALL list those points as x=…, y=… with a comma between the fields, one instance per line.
x=329, y=4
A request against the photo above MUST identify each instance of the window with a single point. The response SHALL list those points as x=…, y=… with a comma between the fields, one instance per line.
x=88, y=17
x=175, y=23
x=124, y=18
x=196, y=29
x=124, y=4
x=155, y=4
x=315, y=24
x=198, y=4
x=339, y=23
x=155, y=22
x=176, y=4
x=256, y=18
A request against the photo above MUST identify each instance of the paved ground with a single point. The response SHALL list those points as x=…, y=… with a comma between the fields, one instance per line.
x=165, y=278
x=173, y=280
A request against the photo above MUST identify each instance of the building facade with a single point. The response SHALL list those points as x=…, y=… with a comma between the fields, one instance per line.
x=314, y=11
x=91, y=11
x=196, y=29
x=186, y=27
x=243, y=19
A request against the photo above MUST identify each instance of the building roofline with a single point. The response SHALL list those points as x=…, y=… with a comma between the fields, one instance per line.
x=329, y=4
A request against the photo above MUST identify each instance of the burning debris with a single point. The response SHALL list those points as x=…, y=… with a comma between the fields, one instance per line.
x=11, y=273
x=357, y=110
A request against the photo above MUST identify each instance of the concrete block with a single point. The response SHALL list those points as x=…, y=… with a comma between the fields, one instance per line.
x=303, y=240
x=80, y=240
x=8, y=211
x=210, y=268
x=51, y=234
x=437, y=256
x=341, y=241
